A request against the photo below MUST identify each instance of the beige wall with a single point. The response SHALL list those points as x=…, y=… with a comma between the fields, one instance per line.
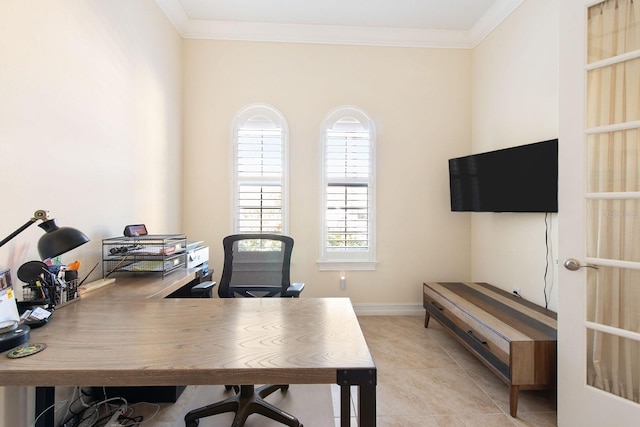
x=515, y=102
x=420, y=102
x=90, y=119
x=90, y=127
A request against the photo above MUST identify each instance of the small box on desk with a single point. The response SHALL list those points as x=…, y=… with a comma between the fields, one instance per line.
x=136, y=394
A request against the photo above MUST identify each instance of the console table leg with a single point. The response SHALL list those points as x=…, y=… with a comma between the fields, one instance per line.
x=513, y=400
x=427, y=316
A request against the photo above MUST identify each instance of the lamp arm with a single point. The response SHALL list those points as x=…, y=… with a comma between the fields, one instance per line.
x=38, y=215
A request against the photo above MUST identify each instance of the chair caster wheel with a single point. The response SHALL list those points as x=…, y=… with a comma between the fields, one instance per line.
x=193, y=423
x=284, y=387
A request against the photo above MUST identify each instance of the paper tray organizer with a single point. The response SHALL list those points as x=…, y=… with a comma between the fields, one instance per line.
x=161, y=253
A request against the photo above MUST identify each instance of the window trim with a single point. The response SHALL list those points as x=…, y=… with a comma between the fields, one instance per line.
x=348, y=260
x=278, y=118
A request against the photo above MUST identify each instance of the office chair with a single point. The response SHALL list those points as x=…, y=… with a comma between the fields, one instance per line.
x=255, y=265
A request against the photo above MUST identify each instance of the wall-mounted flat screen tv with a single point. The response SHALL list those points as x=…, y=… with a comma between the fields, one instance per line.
x=516, y=179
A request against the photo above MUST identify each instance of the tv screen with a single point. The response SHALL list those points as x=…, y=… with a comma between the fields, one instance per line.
x=516, y=179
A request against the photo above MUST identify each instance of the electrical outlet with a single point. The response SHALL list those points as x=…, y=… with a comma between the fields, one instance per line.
x=516, y=292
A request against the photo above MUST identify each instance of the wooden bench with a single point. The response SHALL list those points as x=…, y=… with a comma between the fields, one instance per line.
x=514, y=338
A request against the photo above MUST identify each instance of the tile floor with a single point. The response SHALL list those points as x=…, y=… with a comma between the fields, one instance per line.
x=426, y=378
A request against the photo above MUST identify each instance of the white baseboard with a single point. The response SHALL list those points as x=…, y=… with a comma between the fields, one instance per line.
x=408, y=309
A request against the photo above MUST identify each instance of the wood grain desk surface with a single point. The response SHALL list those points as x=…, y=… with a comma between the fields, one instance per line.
x=128, y=334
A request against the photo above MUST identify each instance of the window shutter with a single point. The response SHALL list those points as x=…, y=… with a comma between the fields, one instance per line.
x=347, y=192
x=260, y=173
x=348, y=187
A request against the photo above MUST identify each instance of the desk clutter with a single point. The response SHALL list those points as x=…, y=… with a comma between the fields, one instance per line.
x=48, y=286
x=36, y=314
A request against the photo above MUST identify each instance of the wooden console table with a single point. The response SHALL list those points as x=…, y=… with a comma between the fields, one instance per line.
x=514, y=338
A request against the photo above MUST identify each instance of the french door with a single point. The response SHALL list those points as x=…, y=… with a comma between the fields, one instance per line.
x=599, y=214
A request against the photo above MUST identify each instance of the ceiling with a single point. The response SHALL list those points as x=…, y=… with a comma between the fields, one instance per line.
x=427, y=23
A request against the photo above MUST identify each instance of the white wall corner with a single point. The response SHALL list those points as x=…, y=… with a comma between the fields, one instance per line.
x=491, y=19
x=175, y=13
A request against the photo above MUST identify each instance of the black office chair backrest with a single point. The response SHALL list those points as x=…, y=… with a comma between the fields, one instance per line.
x=256, y=265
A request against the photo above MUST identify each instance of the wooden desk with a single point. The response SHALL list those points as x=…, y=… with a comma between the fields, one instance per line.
x=112, y=340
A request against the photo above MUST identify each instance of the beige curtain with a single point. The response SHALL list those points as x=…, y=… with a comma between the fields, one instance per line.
x=613, y=226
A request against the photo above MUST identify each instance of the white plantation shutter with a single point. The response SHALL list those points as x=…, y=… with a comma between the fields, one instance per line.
x=260, y=148
x=347, y=169
x=348, y=186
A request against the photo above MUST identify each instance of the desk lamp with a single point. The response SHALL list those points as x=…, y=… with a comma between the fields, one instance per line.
x=56, y=241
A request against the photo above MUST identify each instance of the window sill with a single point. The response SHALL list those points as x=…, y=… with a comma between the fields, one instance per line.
x=347, y=265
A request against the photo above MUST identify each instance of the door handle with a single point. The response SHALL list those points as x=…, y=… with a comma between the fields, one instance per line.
x=573, y=265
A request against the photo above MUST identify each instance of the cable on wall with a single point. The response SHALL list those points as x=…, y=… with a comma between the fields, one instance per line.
x=547, y=253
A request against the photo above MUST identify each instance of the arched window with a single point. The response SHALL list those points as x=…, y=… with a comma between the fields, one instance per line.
x=348, y=183
x=260, y=152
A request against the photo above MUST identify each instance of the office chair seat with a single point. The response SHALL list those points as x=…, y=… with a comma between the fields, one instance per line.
x=262, y=291
x=255, y=266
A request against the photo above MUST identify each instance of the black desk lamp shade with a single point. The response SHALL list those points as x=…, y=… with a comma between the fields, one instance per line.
x=56, y=241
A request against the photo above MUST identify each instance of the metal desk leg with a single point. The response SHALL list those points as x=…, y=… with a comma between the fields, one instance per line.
x=45, y=397
x=366, y=380
x=367, y=405
x=345, y=405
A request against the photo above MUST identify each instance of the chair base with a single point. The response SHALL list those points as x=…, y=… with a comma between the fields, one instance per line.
x=249, y=400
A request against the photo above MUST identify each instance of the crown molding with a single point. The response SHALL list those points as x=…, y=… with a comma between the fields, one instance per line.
x=325, y=34
x=337, y=34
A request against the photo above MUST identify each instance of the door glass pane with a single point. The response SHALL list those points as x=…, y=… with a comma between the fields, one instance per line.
x=606, y=100
x=614, y=29
x=613, y=229
x=612, y=364
x=618, y=291
x=613, y=160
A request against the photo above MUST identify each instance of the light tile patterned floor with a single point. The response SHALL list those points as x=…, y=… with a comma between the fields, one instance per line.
x=426, y=378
